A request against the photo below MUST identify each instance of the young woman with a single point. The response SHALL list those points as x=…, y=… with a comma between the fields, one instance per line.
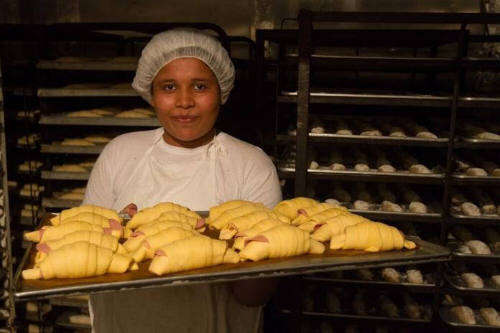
x=185, y=75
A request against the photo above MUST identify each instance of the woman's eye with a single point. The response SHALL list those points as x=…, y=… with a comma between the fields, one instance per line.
x=168, y=86
x=200, y=86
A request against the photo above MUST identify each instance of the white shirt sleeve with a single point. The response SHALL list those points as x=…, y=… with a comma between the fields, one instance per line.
x=261, y=183
x=99, y=189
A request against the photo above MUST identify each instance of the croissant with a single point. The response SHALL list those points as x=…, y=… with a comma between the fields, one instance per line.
x=247, y=221
x=289, y=208
x=93, y=237
x=136, y=238
x=217, y=211
x=77, y=260
x=173, y=216
x=336, y=225
x=280, y=241
x=96, y=219
x=54, y=232
x=260, y=227
x=304, y=214
x=190, y=253
x=230, y=214
x=148, y=214
x=370, y=237
x=67, y=213
x=151, y=243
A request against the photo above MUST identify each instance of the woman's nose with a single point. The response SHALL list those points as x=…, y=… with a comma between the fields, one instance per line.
x=184, y=98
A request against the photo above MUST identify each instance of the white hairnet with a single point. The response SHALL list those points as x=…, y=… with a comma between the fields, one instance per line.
x=183, y=43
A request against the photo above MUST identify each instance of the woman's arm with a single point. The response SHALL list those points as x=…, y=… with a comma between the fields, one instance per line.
x=254, y=292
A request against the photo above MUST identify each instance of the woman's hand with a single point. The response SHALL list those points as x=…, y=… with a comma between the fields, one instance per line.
x=254, y=292
x=130, y=209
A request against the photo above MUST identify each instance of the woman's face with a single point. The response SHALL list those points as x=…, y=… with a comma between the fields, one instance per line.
x=186, y=98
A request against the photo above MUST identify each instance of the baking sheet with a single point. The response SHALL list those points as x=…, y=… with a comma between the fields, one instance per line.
x=398, y=174
x=458, y=283
x=142, y=278
x=480, y=326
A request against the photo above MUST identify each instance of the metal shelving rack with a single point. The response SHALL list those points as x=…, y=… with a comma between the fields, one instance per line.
x=306, y=62
x=6, y=270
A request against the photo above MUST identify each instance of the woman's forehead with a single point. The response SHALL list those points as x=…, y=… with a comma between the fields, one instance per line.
x=186, y=67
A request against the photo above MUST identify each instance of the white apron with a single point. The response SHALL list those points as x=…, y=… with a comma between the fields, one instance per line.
x=193, y=308
x=192, y=185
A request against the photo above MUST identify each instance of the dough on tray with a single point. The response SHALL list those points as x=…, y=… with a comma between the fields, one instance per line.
x=470, y=209
x=389, y=274
x=417, y=207
x=414, y=276
x=69, y=168
x=463, y=314
x=361, y=205
x=490, y=315
x=495, y=280
x=478, y=247
x=476, y=172
x=131, y=114
x=472, y=280
x=389, y=206
x=419, y=168
x=76, y=142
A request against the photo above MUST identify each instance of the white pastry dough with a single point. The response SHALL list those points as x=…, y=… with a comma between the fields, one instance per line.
x=417, y=207
x=69, y=168
x=414, y=276
x=478, y=247
x=476, y=172
x=472, y=280
x=490, y=315
x=463, y=314
x=419, y=168
x=389, y=274
x=361, y=205
x=391, y=207
x=469, y=209
x=76, y=142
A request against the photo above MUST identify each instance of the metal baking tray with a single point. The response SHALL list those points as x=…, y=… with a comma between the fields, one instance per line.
x=457, y=283
x=461, y=178
x=366, y=317
x=142, y=278
x=376, y=98
x=90, y=65
x=404, y=174
x=98, y=121
x=480, y=326
x=83, y=92
x=65, y=149
x=59, y=203
x=65, y=175
x=378, y=284
x=492, y=219
x=63, y=321
x=379, y=139
x=494, y=257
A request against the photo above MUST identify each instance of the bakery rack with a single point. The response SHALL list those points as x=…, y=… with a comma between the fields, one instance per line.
x=7, y=308
x=377, y=70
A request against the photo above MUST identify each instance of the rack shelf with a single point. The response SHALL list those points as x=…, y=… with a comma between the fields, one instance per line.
x=64, y=149
x=369, y=140
x=104, y=121
x=58, y=175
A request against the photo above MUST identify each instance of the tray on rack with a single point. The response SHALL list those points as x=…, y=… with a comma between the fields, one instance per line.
x=459, y=284
x=494, y=257
x=142, y=278
x=480, y=326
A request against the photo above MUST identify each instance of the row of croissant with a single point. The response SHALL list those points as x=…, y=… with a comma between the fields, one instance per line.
x=91, y=240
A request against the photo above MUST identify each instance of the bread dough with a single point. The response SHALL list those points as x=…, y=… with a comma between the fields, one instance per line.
x=487, y=136
x=361, y=205
x=69, y=168
x=418, y=207
x=361, y=167
x=469, y=209
x=478, y=247
x=490, y=315
x=414, y=276
x=391, y=275
x=388, y=206
x=76, y=142
x=71, y=196
x=419, y=168
x=84, y=114
x=463, y=314
x=476, y=172
x=337, y=167
x=386, y=168
x=131, y=114
x=397, y=132
x=472, y=280
x=97, y=139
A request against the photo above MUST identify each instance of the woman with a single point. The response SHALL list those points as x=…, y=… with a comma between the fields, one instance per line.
x=185, y=75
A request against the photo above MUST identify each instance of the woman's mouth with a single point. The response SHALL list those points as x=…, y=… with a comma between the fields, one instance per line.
x=184, y=119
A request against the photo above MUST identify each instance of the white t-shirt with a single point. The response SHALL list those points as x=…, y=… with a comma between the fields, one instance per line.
x=242, y=171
